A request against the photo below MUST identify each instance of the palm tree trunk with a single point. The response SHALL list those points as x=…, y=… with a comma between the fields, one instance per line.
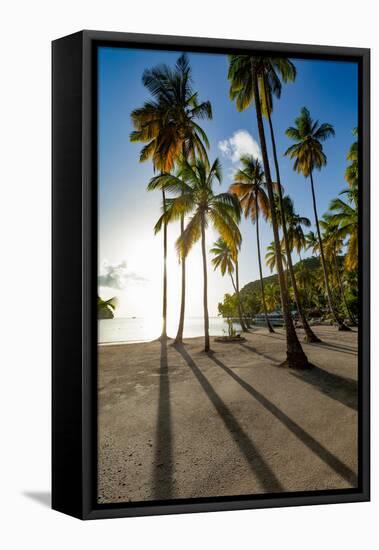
x=239, y=305
x=164, y=307
x=309, y=334
x=237, y=288
x=179, y=335
x=296, y=357
x=342, y=292
x=269, y=326
x=340, y=323
x=205, y=292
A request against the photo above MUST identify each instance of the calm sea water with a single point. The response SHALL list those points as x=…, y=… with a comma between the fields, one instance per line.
x=144, y=330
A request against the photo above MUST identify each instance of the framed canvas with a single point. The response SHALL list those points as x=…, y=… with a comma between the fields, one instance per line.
x=210, y=275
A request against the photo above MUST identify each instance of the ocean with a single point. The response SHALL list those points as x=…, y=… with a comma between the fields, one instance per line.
x=123, y=330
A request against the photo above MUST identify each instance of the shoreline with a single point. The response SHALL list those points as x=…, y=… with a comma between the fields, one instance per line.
x=252, y=330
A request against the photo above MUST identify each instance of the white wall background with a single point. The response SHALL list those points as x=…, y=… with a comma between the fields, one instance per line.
x=27, y=29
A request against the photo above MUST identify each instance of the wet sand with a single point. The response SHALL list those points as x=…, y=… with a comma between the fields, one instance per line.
x=178, y=423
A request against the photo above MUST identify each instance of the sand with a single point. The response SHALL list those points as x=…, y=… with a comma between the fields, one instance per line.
x=183, y=424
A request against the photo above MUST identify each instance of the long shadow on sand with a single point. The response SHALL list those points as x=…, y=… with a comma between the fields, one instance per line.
x=264, y=355
x=162, y=473
x=337, y=387
x=335, y=347
x=316, y=447
x=344, y=390
x=258, y=465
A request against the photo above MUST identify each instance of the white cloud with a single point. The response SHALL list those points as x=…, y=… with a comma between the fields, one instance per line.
x=117, y=276
x=240, y=143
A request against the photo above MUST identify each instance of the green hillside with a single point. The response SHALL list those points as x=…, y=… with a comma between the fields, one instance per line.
x=255, y=286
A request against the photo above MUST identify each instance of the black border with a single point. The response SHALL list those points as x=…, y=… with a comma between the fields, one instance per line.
x=86, y=452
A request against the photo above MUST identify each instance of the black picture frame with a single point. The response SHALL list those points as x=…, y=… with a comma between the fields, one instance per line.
x=74, y=272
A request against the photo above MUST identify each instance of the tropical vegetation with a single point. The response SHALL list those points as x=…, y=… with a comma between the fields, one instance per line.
x=322, y=285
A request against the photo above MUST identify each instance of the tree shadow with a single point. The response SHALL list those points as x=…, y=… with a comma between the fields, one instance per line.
x=335, y=347
x=258, y=465
x=278, y=335
x=339, y=388
x=163, y=465
x=265, y=356
x=326, y=456
x=42, y=497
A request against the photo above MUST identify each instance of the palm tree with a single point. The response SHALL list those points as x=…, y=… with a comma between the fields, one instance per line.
x=275, y=71
x=351, y=172
x=308, y=155
x=271, y=257
x=106, y=308
x=197, y=198
x=333, y=240
x=304, y=277
x=273, y=296
x=295, y=224
x=168, y=125
x=345, y=217
x=249, y=186
x=247, y=74
x=226, y=258
x=312, y=243
x=293, y=237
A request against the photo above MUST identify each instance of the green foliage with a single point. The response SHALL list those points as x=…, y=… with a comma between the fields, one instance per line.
x=229, y=307
x=270, y=71
x=223, y=257
x=106, y=308
x=271, y=259
x=310, y=281
x=196, y=199
x=351, y=172
x=308, y=134
x=231, y=330
x=250, y=187
x=168, y=123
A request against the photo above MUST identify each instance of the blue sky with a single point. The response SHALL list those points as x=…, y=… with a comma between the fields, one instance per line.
x=129, y=254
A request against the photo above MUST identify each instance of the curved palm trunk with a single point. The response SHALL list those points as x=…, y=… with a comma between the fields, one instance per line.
x=342, y=292
x=164, y=306
x=179, y=335
x=296, y=357
x=237, y=291
x=309, y=334
x=269, y=326
x=340, y=323
x=205, y=292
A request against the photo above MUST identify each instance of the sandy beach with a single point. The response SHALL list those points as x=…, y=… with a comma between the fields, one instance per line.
x=178, y=423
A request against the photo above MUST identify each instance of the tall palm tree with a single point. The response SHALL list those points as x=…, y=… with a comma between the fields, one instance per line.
x=249, y=186
x=197, y=199
x=308, y=155
x=169, y=126
x=277, y=70
x=226, y=259
x=247, y=74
